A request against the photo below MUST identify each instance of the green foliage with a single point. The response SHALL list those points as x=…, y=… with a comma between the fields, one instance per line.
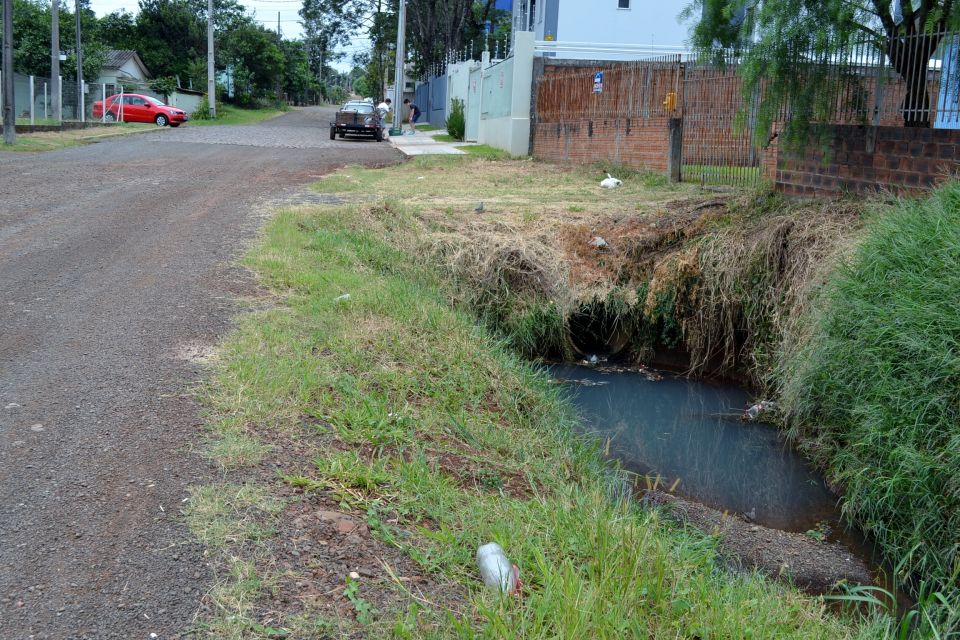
x=783, y=47
x=457, y=121
x=31, y=27
x=203, y=110
x=876, y=387
x=170, y=38
x=164, y=86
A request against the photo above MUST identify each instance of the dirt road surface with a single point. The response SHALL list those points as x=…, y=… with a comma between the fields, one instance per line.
x=115, y=274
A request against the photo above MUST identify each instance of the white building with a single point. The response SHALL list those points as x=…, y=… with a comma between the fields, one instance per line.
x=604, y=29
x=123, y=66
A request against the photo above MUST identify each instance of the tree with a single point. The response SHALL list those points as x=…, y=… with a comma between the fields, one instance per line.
x=118, y=30
x=31, y=29
x=257, y=59
x=788, y=32
x=298, y=81
x=169, y=36
x=437, y=27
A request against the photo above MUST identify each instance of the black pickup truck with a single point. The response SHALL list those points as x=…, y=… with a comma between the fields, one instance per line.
x=357, y=118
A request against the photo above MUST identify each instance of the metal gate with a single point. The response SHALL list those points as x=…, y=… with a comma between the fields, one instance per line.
x=718, y=128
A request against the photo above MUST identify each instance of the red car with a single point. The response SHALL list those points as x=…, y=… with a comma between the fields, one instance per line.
x=139, y=108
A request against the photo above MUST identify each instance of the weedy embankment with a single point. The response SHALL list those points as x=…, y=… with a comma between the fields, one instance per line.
x=372, y=435
x=871, y=387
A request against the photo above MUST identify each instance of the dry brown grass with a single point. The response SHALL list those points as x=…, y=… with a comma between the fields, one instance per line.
x=731, y=272
x=755, y=280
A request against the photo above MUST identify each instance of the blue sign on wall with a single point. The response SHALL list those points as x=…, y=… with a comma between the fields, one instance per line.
x=948, y=102
x=505, y=5
x=598, y=82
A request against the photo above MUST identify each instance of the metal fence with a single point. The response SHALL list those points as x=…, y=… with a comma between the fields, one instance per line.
x=628, y=90
x=34, y=98
x=865, y=80
x=719, y=127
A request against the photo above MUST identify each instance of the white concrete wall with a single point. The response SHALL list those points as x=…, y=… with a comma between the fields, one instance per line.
x=131, y=69
x=186, y=101
x=510, y=132
x=458, y=82
x=645, y=22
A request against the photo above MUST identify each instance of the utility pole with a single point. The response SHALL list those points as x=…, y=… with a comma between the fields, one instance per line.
x=211, y=78
x=80, y=110
x=280, y=76
x=398, y=78
x=9, y=116
x=55, y=60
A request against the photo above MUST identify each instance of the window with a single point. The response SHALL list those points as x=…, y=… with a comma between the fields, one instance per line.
x=623, y=4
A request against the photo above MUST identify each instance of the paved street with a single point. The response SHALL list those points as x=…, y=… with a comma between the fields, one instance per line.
x=116, y=276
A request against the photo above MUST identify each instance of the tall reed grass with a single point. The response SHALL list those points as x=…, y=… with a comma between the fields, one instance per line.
x=874, y=388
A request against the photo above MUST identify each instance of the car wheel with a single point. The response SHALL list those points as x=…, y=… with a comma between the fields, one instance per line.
x=333, y=133
x=161, y=120
x=109, y=117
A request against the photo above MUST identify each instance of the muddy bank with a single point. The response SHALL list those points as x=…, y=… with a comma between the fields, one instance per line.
x=814, y=566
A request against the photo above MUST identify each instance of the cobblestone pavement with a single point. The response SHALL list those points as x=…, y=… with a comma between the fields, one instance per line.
x=116, y=277
x=306, y=129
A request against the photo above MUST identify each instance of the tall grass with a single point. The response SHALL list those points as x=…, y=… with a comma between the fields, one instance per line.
x=874, y=389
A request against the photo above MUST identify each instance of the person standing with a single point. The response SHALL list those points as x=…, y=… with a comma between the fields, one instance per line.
x=382, y=110
x=414, y=115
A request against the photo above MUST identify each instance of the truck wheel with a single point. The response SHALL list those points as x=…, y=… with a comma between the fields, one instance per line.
x=333, y=133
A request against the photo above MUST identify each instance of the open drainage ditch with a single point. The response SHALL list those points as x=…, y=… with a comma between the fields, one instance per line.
x=691, y=435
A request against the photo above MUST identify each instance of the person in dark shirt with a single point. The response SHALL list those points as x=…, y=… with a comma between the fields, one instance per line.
x=414, y=115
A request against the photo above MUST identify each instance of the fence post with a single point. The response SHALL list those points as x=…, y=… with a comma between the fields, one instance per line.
x=32, y=100
x=675, y=157
x=45, y=116
x=60, y=97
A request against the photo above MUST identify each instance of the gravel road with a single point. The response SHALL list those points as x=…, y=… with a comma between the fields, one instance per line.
x=116, y=276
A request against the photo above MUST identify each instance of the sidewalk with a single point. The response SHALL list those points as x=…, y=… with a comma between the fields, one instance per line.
x=423, y=144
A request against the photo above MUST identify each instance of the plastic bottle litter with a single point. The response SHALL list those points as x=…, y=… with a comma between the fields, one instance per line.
x=344, y=298
x=599, y=242
x=496, y=570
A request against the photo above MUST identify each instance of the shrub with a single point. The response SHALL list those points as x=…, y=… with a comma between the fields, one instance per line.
x=203, y=110
x=457, y=121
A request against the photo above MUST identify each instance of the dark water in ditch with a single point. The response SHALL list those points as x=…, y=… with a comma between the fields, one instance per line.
x=692, y=432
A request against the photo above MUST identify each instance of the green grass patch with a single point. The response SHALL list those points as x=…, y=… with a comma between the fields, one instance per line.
x=444, y=137
x=486, y=151
x=445, y=439
x=56, y=140
x=721, y=175
x=875, y=390
x=229, y=114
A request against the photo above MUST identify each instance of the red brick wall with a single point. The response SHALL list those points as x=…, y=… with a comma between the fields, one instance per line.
x=624, y=124
x=642, y=143
x=901, y=159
